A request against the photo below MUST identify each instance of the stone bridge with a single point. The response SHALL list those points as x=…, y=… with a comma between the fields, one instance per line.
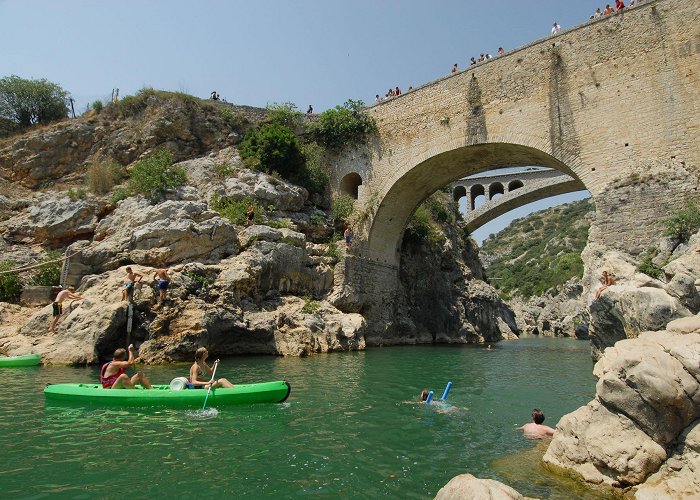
x=506, y=192
x=613, y=103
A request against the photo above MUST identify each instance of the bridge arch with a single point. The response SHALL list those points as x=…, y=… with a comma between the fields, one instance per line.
x=495, y=189
x=427, y=176
x=516, y=184
x=350, y=184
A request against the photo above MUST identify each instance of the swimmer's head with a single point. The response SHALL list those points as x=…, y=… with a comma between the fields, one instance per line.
x=424, y=394
x=537, y=416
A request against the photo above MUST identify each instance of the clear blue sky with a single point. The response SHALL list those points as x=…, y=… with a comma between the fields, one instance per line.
x=255, y=52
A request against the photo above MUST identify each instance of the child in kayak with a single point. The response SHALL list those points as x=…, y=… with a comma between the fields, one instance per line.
x=200, y=373
x=113, y=374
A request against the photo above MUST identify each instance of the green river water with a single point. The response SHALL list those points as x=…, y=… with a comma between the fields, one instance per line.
x=349, y=428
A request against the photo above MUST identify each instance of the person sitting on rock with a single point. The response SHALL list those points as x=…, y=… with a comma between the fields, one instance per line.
x=200, y=372
x=606, y=280
x=113, y=374
x=57, y=305
x=131, y=279
x=535, y=429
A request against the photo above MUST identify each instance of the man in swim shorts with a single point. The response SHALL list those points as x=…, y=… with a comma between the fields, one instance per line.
x=57, y=305
x=163, y=283
x=131, y=279
x=113, y=373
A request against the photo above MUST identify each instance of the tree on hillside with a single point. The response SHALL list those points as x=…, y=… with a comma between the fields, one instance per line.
x=29, y=102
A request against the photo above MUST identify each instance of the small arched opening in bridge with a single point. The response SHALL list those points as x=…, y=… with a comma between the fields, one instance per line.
x=477, y=196
x=418, y=181
x=350, y=184
x=496, y=189
x=458, y=193
x=513, y=185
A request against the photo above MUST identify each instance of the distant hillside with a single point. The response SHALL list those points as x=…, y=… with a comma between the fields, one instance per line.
x=538, y=252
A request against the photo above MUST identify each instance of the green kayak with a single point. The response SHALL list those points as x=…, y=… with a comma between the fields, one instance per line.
x=15, y=361
x=163, y=396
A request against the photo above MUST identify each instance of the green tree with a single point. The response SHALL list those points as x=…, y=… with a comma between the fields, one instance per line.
x=29, y=102
x=273, y=148
x=346, y=124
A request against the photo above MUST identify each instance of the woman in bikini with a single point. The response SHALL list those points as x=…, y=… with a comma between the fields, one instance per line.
x=201, y=372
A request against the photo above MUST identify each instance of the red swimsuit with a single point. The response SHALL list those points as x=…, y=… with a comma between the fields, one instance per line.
x=108, y=382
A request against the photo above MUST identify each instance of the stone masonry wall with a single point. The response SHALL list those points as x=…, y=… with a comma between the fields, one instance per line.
x=604, y=101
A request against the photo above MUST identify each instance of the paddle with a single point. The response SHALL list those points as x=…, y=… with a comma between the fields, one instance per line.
x=213, y=374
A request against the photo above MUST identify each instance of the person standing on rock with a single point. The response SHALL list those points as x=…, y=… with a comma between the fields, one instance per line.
x=163, y=283
x=113, y=373
x=348, y=237
x=57, y=305
x=250, y=214
x=535, y=429
x=131, y=279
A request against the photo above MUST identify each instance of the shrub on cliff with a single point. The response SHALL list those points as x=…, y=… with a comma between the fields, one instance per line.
x=49, y=274
x=102, y=175
x=10, y=285
x=684, y=223
x=273, y=148
x=286, y=115
x=343, y=209
x=155, y=174
x=235, y=210
x=343, y=125
x=31, y=102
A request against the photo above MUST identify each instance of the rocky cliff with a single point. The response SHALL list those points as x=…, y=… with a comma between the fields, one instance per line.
x=262, y=288
x=640, y=433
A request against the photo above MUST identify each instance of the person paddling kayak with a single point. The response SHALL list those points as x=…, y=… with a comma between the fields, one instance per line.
x=113, y=374
x=200, y=373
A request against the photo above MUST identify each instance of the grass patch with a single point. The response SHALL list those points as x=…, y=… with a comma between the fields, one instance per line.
x=155, y=174
x=103, y=175
x=235, y=210
x=311, y=306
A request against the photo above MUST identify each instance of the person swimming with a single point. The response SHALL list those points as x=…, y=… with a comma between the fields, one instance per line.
x=535, y=429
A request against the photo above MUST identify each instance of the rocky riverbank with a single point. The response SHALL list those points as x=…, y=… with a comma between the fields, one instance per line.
x=266, y=288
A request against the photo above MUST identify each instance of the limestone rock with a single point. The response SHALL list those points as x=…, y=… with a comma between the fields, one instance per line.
x=159, y=235
x=56, y=220
x=678, y=477
x=466, y=486
x=624, y=311
x=223, y=175
x=604, y=447
x=649, y=385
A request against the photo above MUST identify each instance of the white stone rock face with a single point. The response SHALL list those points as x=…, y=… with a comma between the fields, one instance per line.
x=466, y=486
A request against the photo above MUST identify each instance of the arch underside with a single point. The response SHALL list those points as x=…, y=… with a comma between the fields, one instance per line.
x=423, y=179
x=489, y=211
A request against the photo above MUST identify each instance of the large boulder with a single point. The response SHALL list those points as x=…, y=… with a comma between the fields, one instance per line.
x=159, y=235
x=624, y=311
x=678, y=477
x=645, y=380
x=647, y=397
x=222, y=175
x=604, y=447
x=466, y=486
x=54, y=220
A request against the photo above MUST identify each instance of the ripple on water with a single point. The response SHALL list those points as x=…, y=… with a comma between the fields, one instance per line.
x=351, y=427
